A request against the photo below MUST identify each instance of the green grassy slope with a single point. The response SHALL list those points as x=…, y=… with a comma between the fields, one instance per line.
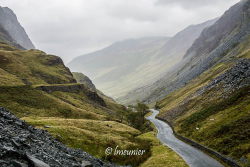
x=78, y=120
x=211, y=112
x=95, y=136
x=34, y=66
x=162, y=156
x=70, y=114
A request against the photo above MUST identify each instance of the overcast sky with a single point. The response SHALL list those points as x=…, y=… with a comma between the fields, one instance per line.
x=69, y=28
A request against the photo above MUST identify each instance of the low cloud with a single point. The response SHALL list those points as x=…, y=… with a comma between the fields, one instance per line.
x=191, y=4
x=72, y=28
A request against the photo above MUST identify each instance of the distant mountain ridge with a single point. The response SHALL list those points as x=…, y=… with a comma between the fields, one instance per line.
x=169, y=55
x=10, y=24
x=206, y=97
x=118, y=67
x=129, y=64
x=213, y=45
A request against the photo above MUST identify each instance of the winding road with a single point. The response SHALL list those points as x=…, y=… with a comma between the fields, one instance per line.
x=192, y=156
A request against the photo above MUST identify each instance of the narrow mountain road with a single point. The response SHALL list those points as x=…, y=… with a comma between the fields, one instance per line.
x=192, y=156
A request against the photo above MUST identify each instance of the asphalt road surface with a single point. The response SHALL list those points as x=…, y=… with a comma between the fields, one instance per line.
x=192, y=156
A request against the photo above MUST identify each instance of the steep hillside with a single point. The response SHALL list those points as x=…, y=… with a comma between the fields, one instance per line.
x=6, y=38
x=10, y=23
x=217, y=43
x=213, y=109
x=23, y=145
x=209, y=99
x=36, y=67
x=177, y=46
x=38, y=88
x=4, y=35
x=120, y=67
x=170, y=54
x=83, y=79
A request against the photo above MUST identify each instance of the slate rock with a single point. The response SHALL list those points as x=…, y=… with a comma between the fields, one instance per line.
x=22, y=145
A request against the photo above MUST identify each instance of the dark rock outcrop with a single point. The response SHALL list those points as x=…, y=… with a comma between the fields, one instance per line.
x=22, y=145
x=74, y=88
x=227, y=83
x=235, y=78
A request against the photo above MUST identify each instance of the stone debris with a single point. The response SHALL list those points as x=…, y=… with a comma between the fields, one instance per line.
x=22, y=145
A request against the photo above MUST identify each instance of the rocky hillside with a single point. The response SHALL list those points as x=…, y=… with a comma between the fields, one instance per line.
x=220, y=42
x=38, y=88
x=208, y=97
x=176, y=46
x=24, y=145
x=10, y=23
x=213, y=109
x=170, y=54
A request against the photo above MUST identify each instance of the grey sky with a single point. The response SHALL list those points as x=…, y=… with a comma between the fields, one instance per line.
x=72, y=28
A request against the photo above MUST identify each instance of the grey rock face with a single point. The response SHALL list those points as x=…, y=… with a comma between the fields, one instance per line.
x=9, y=22
x=21, y=145
x=36, y=162
x=235, y=78
x=212, y=46
x=86, y=164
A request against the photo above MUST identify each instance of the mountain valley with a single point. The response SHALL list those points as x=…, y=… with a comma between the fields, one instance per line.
x=197, y=81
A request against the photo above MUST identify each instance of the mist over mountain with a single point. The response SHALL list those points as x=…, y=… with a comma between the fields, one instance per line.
x=170, y=54
x=215, y=44
x=196, y=85
x=129, y=64
x=119, y=67
x=9, y=23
